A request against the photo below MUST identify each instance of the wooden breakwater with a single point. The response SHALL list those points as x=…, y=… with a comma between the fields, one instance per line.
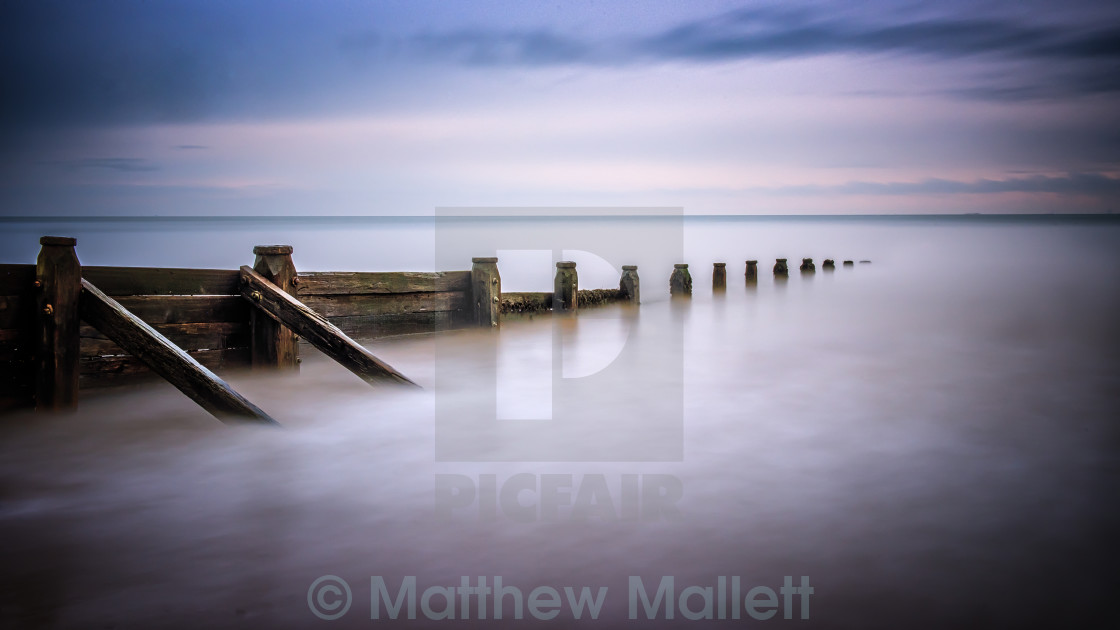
x=51, y=347
x=65, y=327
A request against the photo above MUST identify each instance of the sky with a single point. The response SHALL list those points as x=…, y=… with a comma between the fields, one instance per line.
x=396, y=108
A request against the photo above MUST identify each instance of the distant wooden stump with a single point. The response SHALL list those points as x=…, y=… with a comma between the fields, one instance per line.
x=680, y=283
x=719, y=276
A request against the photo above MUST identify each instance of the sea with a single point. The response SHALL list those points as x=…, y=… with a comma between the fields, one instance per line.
x=926, y=438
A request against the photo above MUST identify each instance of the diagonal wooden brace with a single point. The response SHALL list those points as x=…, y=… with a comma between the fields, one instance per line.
x=317, y=330
x=165, y=358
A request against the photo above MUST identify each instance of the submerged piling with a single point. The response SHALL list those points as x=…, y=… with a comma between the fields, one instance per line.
x=807, y=266
x=719, y=276
x=849, y=263
x=680, y=283
x=628, y=283
x=752, y=272
x=780, y=267
x=829, y=264
x=565, y=295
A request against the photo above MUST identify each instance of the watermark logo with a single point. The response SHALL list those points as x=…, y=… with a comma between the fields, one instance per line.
x=583, y=388
x=493, y=597
x=528, y=497
x=329, y=597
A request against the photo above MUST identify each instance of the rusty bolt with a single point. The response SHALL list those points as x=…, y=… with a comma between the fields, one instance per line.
x=295, y=337
x=494, y=281
x=48, y=310
x=256, y=295
x=299, y=359
x=37, y=284
x=495, y=299
x=295, y=280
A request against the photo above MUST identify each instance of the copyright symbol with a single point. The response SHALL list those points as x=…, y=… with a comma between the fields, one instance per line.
x=329, y=597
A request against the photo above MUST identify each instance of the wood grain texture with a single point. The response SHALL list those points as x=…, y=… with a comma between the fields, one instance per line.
x=183, y=309
x=380, y=326
x=364, y=283
x=190, y=337
x=113, y=371
x=120, y=281
x=274, y=346
x=319, y=332
x=172, y=363
x=385, y=304
x=59, y=275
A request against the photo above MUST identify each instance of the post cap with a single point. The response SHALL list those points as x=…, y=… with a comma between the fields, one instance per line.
x=680, y=266
x=780, y=259
x=272, y=250
x=720, y=264
x=806, y=260
x=565, y=264
x=485, y=259
x=752, y=262
x=65, y=241
x=629, y=267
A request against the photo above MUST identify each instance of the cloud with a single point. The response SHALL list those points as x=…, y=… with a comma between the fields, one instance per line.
x=138, y=62
x=123, y=165
x=1092, y=184
x=777, y=33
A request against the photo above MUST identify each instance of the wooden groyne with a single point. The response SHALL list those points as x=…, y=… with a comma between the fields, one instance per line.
x=65, y=327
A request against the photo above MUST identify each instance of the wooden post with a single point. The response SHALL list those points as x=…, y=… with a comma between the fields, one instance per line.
x=58, y=278
x=565, y=287
x=849, y=263
x=807, y=266
x=680, y=283
x=165, y=358
x=719, y=276
x=486, y=291
x=628, y=284
x=752, y=272
x=828, y=264
x=780, y=267
x=274, y=346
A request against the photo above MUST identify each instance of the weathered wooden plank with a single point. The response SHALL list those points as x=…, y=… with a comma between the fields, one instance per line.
x=182, y=309
x=59, y=276
x=179, y=368
x=16, y=279
x=112, y=371
x=361, y=283
x=317, y=330
x=385, y=304
x=189, y=337
x=120, y=281
x=376, y=327
x=17, y=311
